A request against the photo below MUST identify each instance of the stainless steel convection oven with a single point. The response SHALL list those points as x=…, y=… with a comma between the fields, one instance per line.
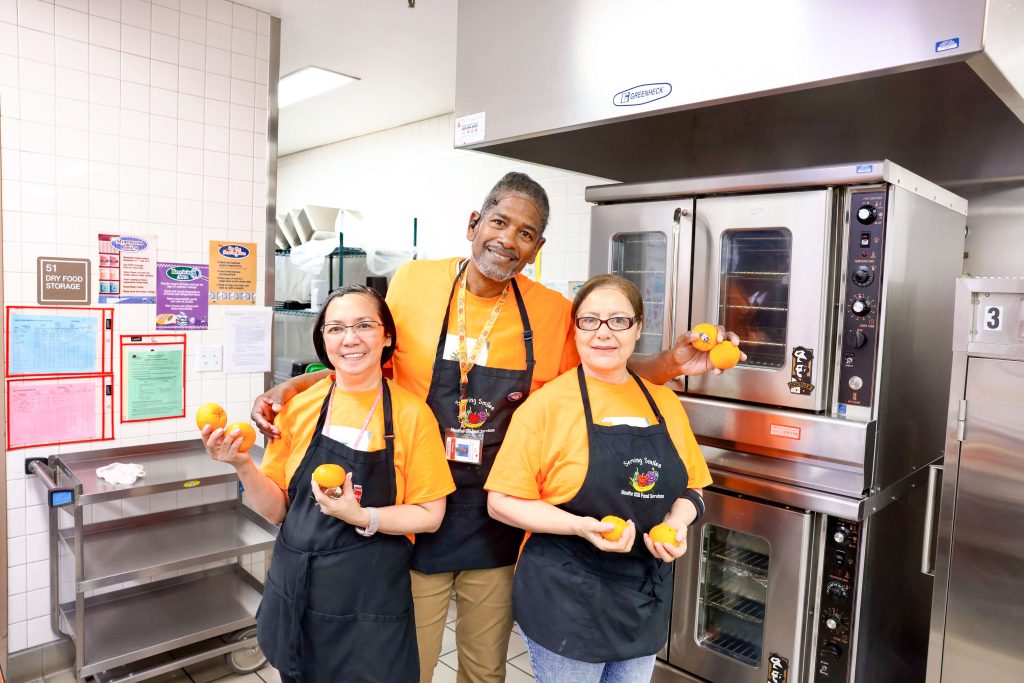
x=839, y=280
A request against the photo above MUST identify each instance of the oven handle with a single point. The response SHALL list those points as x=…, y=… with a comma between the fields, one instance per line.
x=670, y=286
x=932, y=501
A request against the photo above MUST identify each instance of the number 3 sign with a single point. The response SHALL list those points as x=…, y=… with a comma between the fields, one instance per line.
x=993, y=318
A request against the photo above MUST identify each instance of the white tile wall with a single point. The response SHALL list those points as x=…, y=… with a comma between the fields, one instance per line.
x=411, y=172
x=136, y=116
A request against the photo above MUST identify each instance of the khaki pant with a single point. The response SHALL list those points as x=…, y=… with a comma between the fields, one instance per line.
x=484, y=605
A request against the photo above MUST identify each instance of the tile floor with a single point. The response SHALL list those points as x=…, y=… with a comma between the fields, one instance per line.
x=517, y=668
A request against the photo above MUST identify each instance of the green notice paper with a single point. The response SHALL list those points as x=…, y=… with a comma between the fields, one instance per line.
x=154, y=384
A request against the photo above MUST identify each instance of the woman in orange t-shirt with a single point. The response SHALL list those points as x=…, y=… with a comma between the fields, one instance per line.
x=338, y=600
x=598, y=441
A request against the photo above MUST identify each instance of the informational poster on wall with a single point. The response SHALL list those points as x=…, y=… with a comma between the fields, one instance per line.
x=247, y=337
x=181, y=296
x=233, y=273
x=127, y=266
x=152, y=377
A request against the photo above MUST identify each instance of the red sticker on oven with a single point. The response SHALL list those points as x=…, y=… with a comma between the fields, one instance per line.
x=785, y=431
x=801, y=371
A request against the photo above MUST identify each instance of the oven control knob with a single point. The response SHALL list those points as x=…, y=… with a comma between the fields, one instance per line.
x=837, y=590
x=860, y=307
x=867, y=214
x=841, y=535
x=831, y=623
x=830, y=651
x=859, y=339
x=856, y=383
x=862, y=276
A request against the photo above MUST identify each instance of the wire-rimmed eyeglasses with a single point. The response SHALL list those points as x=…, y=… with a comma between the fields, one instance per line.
x=363, y=328
x=618, y=323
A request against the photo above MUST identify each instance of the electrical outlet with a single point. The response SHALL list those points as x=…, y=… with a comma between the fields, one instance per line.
x=208, y=358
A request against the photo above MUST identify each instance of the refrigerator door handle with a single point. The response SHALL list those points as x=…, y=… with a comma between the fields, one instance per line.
x=670, y=287
x=928, y=536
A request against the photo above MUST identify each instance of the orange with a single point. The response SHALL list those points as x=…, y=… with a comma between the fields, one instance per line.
x=246, y=431
x=329, y=476
x=663, y=533
x=616, y=533
x=707, y=337
x=211, y=414
x=725, y=355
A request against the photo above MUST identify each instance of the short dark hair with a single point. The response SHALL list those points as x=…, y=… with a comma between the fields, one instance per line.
x=628, y=289
x=521, y=185
x=382, y=310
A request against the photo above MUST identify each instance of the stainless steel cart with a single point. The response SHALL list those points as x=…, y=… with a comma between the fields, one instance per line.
x=126, y=589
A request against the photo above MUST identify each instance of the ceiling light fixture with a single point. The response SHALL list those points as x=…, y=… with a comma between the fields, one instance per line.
x=308, y=82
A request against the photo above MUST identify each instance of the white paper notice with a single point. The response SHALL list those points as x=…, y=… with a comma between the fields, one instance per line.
x=247, y=339
x=469, y=129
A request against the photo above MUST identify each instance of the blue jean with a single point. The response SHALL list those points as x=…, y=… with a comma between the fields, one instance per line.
x=550, y=667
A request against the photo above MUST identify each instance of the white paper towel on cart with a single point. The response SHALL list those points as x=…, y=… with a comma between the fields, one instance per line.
x=120, y=472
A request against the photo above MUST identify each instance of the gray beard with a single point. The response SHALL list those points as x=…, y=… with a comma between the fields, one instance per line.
x=491, y=272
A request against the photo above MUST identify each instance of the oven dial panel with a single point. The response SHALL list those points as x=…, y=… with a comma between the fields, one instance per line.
x=832, y=657
x=863, y=289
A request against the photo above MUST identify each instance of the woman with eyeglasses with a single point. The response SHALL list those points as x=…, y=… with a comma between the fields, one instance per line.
x=598, y=441
x=338, y=603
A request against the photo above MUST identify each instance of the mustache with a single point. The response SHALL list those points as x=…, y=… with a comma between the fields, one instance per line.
x=511, y=253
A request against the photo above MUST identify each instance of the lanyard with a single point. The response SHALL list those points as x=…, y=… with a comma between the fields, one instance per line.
x=468, y=360
x=366, y=423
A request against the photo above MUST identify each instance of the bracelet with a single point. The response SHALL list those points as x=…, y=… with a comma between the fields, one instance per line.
x=698, y=502
x=371, y=528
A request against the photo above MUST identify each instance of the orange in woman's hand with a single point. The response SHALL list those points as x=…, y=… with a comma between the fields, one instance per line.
x=663, y=533
x=725, y=355
x=616, y=533
x=329, y=476
x=247, y=433
x=707, y=337
x=211, y=414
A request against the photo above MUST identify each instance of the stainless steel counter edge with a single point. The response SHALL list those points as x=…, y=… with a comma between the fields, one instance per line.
x=759, y=429
x=817, y=176
x=845, y=507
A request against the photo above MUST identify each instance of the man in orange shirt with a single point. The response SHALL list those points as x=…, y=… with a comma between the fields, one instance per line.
x=477, y=337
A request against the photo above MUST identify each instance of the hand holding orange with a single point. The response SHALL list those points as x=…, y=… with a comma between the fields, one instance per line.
x=725, y=355
x=663, y=533
x=707, y=337
x=211, y=414
x=329, y=476
x=616, y=533
x=246, y=431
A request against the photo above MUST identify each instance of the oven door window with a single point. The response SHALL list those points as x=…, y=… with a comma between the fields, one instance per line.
x=642, y=257
x=733, y=593
x=754, y=299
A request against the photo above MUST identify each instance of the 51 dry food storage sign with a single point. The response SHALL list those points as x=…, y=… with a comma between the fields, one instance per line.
x=62, y=281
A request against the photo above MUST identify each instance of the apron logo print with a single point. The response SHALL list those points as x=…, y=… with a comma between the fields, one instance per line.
x=357, y=490
x=643, y=482
x=515, y=396
x=477, y=412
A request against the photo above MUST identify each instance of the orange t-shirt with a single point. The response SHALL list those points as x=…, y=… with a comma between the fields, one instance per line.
x=545, y=453
x=417, y=296
x=421, y=470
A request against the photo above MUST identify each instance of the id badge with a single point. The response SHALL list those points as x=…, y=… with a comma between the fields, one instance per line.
x=464, y=445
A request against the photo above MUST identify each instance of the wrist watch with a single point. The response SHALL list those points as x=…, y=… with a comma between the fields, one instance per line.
x=371, y=528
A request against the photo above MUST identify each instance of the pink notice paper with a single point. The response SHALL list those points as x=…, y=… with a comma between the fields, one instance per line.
x=44, y=413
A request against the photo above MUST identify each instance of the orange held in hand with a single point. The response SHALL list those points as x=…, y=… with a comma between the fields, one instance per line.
x=211, y=414
x=247, y=433
x=663, y=533
x=725, y=355
x=329, y=476
x=707, y=337
x=616, y=533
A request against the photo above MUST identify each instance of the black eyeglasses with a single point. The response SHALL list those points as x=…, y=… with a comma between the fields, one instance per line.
x=619, y=323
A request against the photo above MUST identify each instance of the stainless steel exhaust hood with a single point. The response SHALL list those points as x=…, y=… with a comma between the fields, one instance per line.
x=665, y=89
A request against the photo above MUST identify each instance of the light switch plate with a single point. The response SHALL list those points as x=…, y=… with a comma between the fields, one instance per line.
x=209, y=358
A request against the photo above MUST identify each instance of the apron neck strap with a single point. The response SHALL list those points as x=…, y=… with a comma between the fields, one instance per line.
x=582, y=379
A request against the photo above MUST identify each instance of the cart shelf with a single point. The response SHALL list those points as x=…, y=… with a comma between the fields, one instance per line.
x=166, y=542
x=128, y=625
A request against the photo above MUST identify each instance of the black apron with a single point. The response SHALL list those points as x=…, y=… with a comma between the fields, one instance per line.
x=469, y=538
x=337, y=606
x=593, y=606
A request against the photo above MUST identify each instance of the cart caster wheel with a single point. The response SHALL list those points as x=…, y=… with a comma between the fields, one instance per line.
x=247, y=660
